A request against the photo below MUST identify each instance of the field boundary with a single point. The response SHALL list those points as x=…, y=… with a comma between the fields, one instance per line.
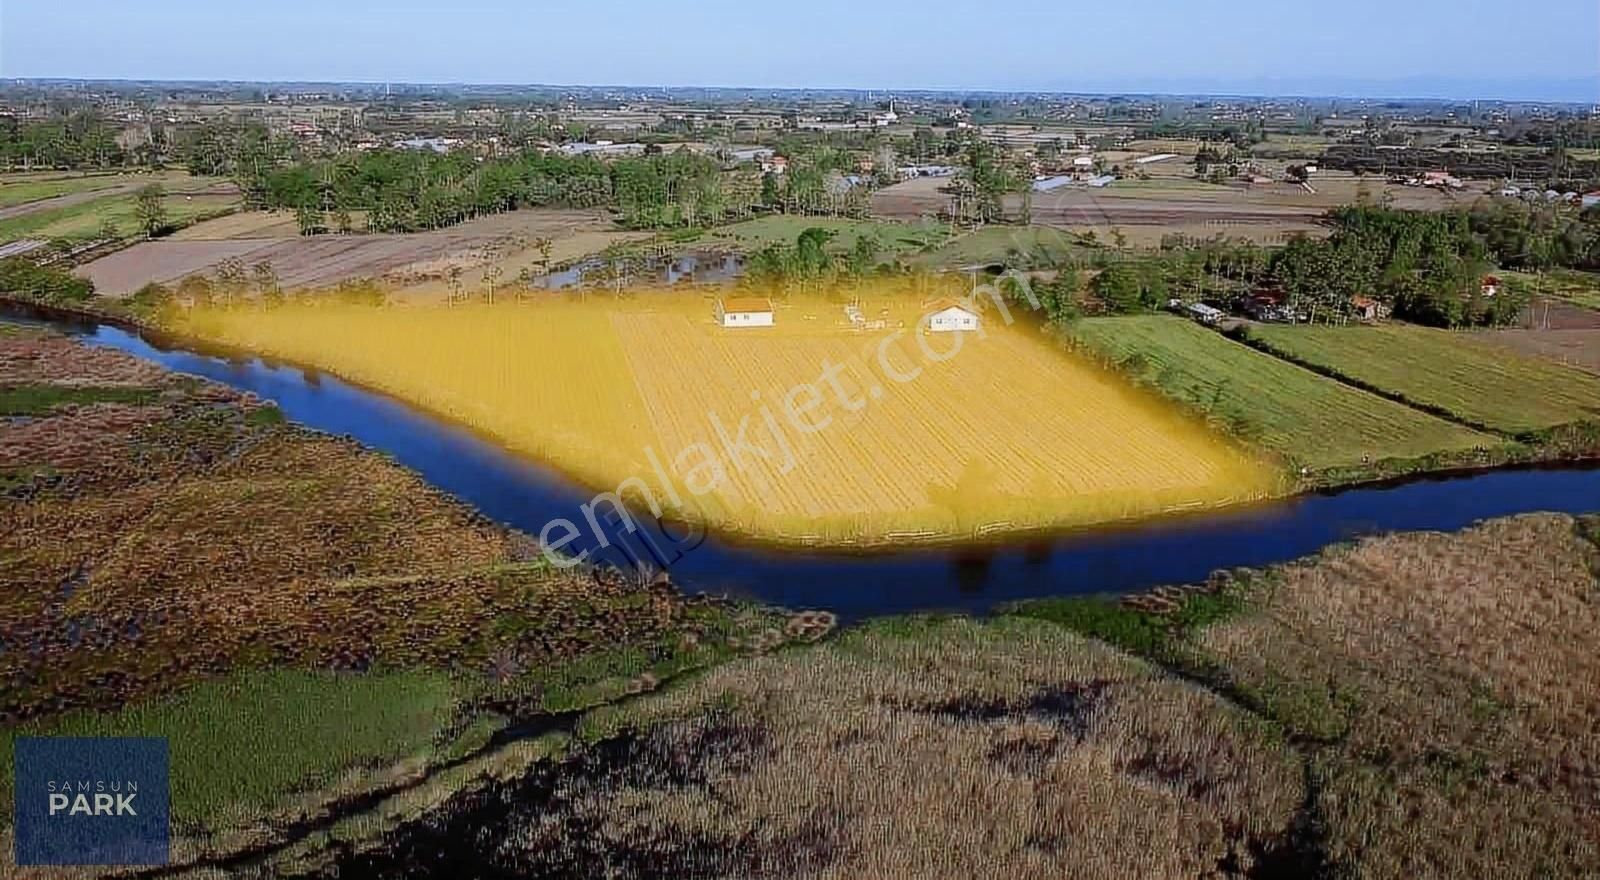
x=1537, y=438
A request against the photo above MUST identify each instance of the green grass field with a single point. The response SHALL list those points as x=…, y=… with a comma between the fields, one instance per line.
x=1311, y=420
x=32, y=400
x=1450, y=372
x=1019, y=247
x=84, y=220
x=1576, y=287
x=893, y=239
x=239, y=745
x=22, y=190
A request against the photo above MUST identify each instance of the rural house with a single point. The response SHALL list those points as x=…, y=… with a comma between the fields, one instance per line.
x=949, y=316
x=744, y=311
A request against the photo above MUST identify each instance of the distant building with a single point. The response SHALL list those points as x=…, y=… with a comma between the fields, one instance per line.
x=1491, y=286
x=775, y=165
x=1204, y=314
x=602, y=149
x=436, y=144
x=950, y=316
x=745, y=311
x=910, y=171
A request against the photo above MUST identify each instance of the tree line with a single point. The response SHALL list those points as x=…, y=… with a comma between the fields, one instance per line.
x=1427, y=267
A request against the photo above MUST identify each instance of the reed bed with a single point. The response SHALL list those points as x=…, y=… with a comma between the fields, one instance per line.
x=918, y=749
x=1455, y=681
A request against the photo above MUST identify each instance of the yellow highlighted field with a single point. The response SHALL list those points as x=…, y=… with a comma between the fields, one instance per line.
x=810, y=431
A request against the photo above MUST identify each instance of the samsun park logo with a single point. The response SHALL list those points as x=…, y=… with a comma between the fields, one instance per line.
x=91, y=801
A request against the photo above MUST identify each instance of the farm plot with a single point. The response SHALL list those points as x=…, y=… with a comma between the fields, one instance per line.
x=1002, y=433
x=27, y=189
x=1311, y=420
x=323, y=260
x=83, y=216
x=1450, y=372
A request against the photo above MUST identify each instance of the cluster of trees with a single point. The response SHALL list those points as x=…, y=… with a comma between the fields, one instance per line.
x=24, y=278
x=809, y=259
x=411, y=190
x=1429, y=267
x=75, y=141
x=1537, y=237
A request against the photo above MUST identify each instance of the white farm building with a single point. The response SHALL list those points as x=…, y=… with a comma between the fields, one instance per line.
x=952, y=317
x=744, y=311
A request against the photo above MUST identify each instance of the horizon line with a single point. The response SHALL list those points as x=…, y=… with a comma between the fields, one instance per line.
x=1593, y=100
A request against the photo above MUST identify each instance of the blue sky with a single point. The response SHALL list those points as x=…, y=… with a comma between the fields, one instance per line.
x=1549, y=49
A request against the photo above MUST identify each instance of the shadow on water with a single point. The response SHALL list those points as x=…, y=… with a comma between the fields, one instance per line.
x=526, y=495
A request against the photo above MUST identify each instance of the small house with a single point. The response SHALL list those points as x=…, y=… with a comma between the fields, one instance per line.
x=949, y=316
x=745, y=311
x=1491, y=286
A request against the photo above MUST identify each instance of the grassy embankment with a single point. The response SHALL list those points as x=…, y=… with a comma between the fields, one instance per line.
x=1413, y=706
x=20, y=189
x=1336, y=432
x=1450, y=374
x=303, y=618
x=87, y=219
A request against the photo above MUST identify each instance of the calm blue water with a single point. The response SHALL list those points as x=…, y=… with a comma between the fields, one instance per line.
x=525, y=495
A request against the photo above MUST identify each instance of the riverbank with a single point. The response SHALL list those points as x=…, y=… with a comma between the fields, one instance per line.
x=1324, y=429
x=513, y=490
x=1400, y=707
x=310, y=624
x=352, y=707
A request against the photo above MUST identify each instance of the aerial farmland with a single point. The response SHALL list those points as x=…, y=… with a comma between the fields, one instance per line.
x=854, y=436
x=478, y=479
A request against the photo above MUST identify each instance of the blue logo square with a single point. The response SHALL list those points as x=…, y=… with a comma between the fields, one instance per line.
x=91, y=801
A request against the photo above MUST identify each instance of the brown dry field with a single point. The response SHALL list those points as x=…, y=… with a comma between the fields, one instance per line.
x=1577, y=348
x=1567, y=334
x=404, y=260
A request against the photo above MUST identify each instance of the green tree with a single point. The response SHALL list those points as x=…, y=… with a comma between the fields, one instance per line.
x=150, y=210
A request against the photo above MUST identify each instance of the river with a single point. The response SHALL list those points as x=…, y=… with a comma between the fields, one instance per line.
x=525, y=495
